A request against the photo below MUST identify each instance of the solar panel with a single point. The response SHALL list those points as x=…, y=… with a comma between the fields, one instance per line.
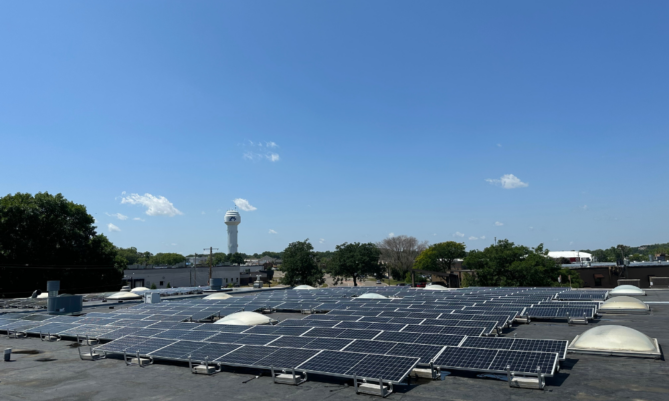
x=359, y=334
x=256, y=339
x=399, y=337
x=172, y=334
x=247, y=355
x=163, y=325
x=425, y=353
x=370, y=347
x=287, y=358
x=323, y=332
x=226, y=338
x=212, y=351
x=118, y=333
x=150, y=345
x=121, y=344
x=439, y=339
x=466, y=358
x=232, y=328
x=463, y=331
x=488, y=342
x=291, y=341
x=392, y=368
x=332, y=344
x=421, y=328
x=263, y=329
x=332, y=362
x=291, y=331
x=557, y=346
x=353, y=325
x=177, y=350
x=195, y=335
x=521, y=361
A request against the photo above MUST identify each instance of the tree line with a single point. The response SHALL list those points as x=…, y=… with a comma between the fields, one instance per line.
x=501, y=264
x=633, y=253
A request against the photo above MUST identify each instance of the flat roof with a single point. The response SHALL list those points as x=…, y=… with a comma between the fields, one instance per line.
x=63, y=375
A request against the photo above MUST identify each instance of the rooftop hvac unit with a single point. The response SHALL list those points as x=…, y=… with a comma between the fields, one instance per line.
x=151, y=298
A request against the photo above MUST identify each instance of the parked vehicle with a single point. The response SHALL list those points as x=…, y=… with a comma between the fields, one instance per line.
x=402, y=284
x=420, y=285
x=378, y=281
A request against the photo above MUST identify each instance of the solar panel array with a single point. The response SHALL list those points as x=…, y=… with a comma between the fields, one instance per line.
x=357, y=336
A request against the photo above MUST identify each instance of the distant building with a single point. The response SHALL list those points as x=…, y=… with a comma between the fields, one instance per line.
x=571, y=256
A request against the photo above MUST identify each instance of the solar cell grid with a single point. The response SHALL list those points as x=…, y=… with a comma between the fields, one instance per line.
x=353, y=325
x=422, y=328
x=425, y=353
x=121, y=344
x=439, y=339
x=256, y=339
x=263, y=329
x=177, y=350
x=370, y=347
x=287, y=358
x=520, y=361
x=383, y=367
x=357, y=334
x=332, y=362
x=400, y=337
x=323, y=332
x=226, y=338
x=332, y=344
x=291, y=341
x=464, y=331
x=247, y=355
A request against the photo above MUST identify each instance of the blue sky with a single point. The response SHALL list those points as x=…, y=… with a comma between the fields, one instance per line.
x=533, y=121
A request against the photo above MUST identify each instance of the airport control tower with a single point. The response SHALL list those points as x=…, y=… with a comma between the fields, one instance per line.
x=232, y=220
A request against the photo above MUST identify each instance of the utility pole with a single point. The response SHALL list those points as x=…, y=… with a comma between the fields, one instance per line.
x=211, y=257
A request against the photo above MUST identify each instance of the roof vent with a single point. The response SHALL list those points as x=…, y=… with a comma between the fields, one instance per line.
x=372, y=295
x=304, y=287
x=615, y=340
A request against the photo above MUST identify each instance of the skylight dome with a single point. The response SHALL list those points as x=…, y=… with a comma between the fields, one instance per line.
x=304, y=287
x=436, y=287
x=140, y=289
x=218, y=295
x=624, y=304
x=123, y=296
x=372, y=295
x=627, y=290
x=615, y=340
x=245, y=319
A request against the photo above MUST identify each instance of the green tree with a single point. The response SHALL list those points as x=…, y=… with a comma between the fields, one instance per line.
x=440, y=257
x=220, y=258
x=565, y=274
x=49, y=229
x=169, y=259
x=236, y=259
x=355, y=261
x=299, y=265
x=169, y=285
x=153, y=286
x=129, y=254
x=507, y=265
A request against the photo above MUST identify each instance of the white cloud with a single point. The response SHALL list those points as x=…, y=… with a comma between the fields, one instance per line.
x=483, y=237
x=571, y=242
x=531, y=228
x=123, y=193
x=244, y=205
x=112, y=227
x=173, y=244
x=321, y=241
x=391, y=234
x=458, y=234
x=138, y=219
x=118, y=216
x=249, y=155
x=272, y=157
x=155, y=205
x=499, y=224
x=271, y=145
x=499, y=145
x=204, y=213
x=584, y=207
x=434, y=234
x=508, y=181
x=472, y=238
x=272, y=231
